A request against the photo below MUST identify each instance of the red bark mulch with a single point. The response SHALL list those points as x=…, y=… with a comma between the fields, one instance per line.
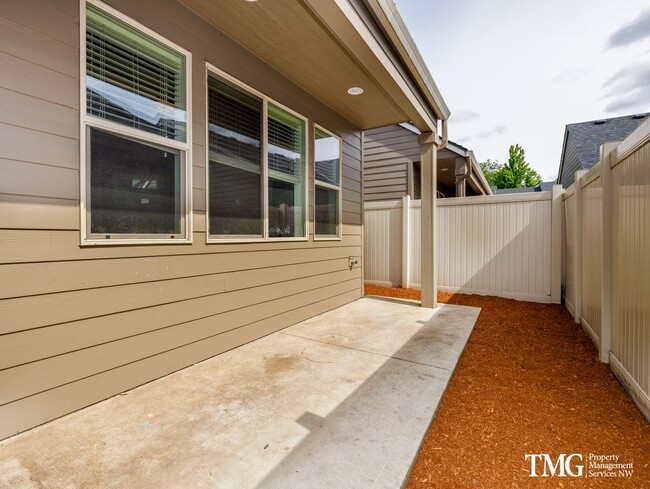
x=528, y=382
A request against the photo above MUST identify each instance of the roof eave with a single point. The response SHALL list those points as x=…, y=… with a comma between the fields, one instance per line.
x=391, y=23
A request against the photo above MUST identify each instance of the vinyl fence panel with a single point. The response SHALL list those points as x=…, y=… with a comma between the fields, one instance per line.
x=630, y=348
x=592, y=257
x=494, y=245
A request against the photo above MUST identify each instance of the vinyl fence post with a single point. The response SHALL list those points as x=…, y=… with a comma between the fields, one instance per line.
x=406, y=231
x=556, y=245
x=578, y=249
x=608, y=158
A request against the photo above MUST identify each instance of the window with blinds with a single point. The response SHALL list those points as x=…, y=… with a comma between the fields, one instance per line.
x=235, y=128
x=286, y=144
x=135, y=87
x=133, y=79
x=286, y=168
x=256, y=165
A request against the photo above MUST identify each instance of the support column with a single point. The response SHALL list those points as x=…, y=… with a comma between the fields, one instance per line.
x=428, y=236
x=461, y=174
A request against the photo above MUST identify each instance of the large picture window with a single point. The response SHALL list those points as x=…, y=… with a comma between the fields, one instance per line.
x=327, y=185
x=256, y=165
x=135, y=132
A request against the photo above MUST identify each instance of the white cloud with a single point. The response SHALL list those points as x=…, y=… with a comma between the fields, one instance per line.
x=464, y=116
x=567, y=77
x=632, y=32
x=492, y=132
x=629, y=89
x=521, y=66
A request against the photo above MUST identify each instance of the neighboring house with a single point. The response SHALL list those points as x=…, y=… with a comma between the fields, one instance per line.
x=540, y=187
x=392, y=166
x=182, y=177
x=582, y=141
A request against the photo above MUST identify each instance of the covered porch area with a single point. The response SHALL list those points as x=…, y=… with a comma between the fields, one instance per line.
x=340, y=400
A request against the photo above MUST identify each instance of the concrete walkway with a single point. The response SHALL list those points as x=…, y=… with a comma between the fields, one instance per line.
x=342, y=400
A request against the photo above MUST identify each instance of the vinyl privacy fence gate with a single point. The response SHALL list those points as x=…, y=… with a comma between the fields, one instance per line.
x=505, y=245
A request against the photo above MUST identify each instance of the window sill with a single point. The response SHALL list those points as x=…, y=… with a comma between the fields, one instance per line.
x=257, y=240
x=133, y=241
x=328, y=238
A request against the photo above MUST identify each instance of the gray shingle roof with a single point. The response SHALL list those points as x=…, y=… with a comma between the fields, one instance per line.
x=520, y=190
x=588, y=136
x=545, y=186
x=541, y=187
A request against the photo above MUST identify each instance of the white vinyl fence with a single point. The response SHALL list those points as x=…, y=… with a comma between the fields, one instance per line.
x=591, y=240
x=503, y=245
x=607, y=259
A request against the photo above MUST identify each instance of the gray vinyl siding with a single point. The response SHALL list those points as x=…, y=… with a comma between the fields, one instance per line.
x=80, y=324
x=388, y=151
x=571, y=163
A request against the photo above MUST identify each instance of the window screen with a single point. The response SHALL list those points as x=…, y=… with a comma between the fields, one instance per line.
x=135, y=187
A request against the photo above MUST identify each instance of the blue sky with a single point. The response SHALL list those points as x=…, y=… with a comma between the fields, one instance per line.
x=519, y=71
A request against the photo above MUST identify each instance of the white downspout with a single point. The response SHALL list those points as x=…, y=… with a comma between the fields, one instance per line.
x=445, y=138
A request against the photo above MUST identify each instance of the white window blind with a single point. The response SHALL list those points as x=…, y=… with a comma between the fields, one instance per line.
x=133, y=79
x=235, y=126
x=286, y=144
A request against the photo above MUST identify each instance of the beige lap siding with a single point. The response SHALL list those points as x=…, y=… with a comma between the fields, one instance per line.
x=80, y=324
x=388, y=151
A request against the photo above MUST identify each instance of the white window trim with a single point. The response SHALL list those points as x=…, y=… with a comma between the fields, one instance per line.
x=213, y=70
x=339, y=188
x=87, y=121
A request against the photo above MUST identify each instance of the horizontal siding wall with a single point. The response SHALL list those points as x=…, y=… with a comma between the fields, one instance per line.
x=78, y=325
x=571, y=163
x=486, y=245
x=388, y=152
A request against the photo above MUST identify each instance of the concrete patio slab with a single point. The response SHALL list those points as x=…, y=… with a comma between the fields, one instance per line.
x=340, y=400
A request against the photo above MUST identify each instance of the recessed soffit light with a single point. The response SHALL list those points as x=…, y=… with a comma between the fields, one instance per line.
x=355, y=90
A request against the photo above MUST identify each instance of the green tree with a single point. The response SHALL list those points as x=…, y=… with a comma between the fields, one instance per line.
x=489, y=169
x=516, y=172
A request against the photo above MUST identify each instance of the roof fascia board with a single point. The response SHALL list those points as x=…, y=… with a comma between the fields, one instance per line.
x=393, y=25
x=339, y=16
x=476, y=170
x=454, y=148
x=559, y=173
x=410, y=127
